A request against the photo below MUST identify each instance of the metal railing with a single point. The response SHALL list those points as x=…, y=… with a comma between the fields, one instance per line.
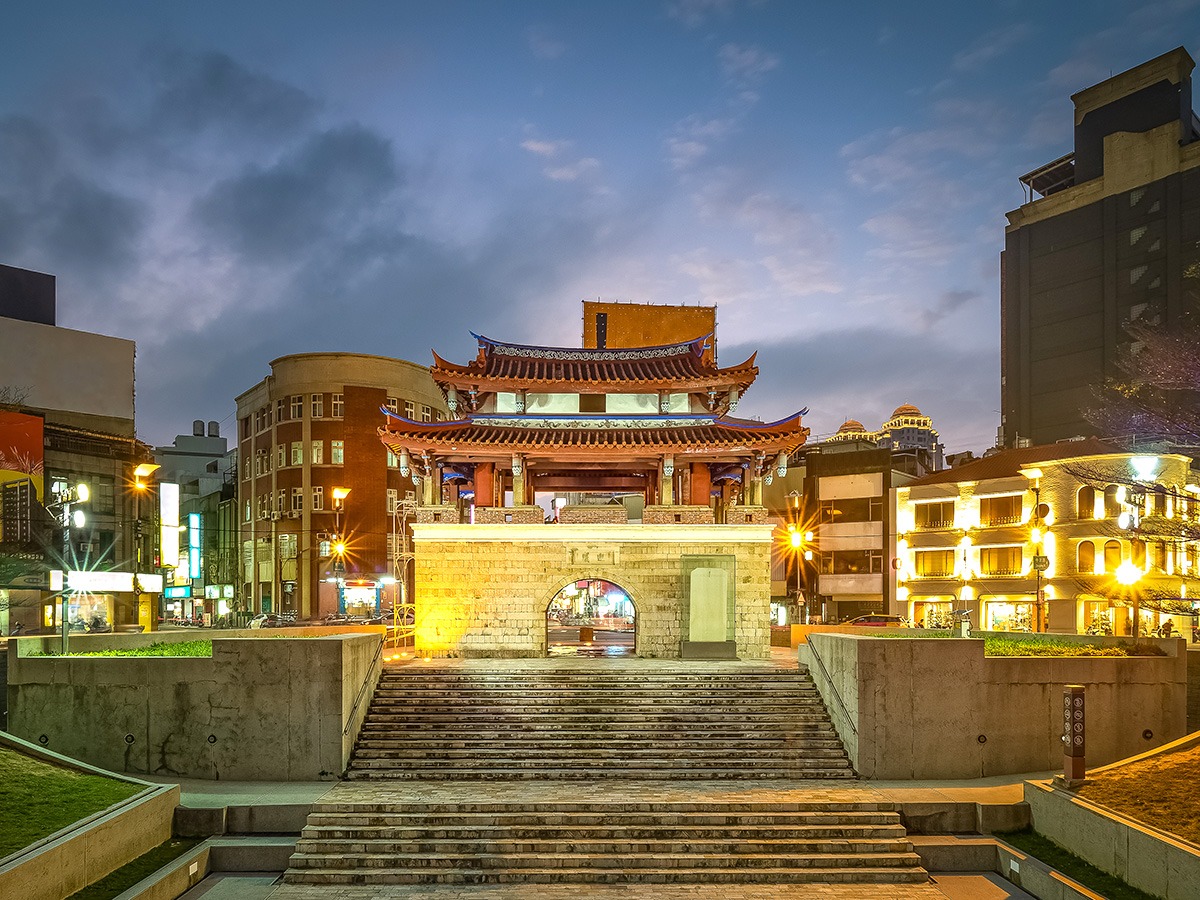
x=363, y=687
x=812, y=649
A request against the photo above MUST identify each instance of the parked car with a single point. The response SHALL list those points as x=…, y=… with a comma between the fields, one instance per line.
x=265, y=620
x=879, y=621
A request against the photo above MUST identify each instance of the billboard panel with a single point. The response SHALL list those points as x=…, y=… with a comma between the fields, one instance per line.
x=21, y=493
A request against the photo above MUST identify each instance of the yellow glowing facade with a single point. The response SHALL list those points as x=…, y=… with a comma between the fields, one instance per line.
x=1037, y=534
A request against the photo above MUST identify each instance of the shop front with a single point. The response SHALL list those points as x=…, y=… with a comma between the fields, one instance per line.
x=934, y=611
x=1014, y=613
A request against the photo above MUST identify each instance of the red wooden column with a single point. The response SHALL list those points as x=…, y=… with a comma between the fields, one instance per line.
x=485, y=484
x=701, y=484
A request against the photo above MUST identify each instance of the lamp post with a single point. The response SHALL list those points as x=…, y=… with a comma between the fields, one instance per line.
x=141, y=472
x=66, y=498
x=339, y=546
x=1128, y=575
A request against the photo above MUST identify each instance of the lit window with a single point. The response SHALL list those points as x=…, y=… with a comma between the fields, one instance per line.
x=318, y=453
x=408, y=409
x=297, y=499
x=393, y=497
x=1085, y=558
x=247, y=510
x=393, y=461
x=337, y=452
x=393, y=404
x=318, y=497
x=280, y=456
x=297, y=453
x=426, y=414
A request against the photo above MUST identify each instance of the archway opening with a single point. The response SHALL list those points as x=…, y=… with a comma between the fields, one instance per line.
x=592, y=617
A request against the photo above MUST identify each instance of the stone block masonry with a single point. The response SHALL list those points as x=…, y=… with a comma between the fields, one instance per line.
x=483, y=590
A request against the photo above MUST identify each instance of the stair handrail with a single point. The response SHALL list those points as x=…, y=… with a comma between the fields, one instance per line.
x=812, y=649
x=363, y=687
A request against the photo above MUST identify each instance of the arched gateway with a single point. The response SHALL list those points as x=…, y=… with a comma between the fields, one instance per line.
x=591, y=617
x=564, y=465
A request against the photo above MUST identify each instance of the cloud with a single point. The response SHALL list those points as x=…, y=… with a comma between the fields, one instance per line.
x=693, y=137
x=323, y=191
x=991, y=46
x=946, y=305
x=544, y=148
x=746, y=65
x=202, y=91
x=543, y=44
x=574, y=171
x=694, y=13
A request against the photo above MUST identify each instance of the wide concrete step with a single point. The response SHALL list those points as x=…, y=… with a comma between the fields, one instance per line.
x=629, y=694
x=578, y=717
x=683, y=743
x=572, y=833
x=447, y=773
x=487, y=753
x=629, y=860
x=677, y=875
x=518, y=848
x=710, y=811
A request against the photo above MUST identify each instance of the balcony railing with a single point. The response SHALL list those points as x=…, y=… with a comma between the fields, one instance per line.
x=997, y=571
x=935, y=523
x=993, y=521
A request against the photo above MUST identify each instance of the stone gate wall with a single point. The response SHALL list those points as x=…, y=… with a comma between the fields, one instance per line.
x=483, y=590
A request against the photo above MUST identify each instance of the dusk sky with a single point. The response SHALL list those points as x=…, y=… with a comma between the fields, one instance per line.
x=226, y=183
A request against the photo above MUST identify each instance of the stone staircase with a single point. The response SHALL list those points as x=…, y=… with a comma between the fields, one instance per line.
x=639, y=744
x=605, y=843
x=756, y=723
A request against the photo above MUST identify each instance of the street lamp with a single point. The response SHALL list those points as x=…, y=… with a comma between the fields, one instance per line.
x=1128, y=575
x=76, y=518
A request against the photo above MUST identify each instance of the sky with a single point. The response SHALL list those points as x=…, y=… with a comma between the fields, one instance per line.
x=226, y=183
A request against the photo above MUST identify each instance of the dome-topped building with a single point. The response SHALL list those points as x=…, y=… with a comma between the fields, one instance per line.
x=907, y=429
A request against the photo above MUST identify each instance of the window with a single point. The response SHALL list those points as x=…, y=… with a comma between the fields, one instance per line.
x=324, y=548
x=1000, y=510
x=593, y=403
x=408, y=409
x=337, y=452
x=318, y=406
x=393, y=461
x=1000, y=560
x=426, y=413
x=393, y=497
x=1112, y=502
x=297, y=406
x=280, y=456
x=934, y=563
x=852, y=562
x=337, y=406
x=244, y=425
x=1112, y=556
x=297, y=499
x=318, y=497
x=1158, y=557
x=1085, y=558
x=297, y=453
x=280, y=500
x=102, y=494
x=393, y=404
x=852, y=509
x=280, y=410
x=438, y=415
x=935, y=515
x=247, y=519
x=1085, y=502
x=1137, y=553
x=318, y=453
x=245, y=468
x=1158, y=500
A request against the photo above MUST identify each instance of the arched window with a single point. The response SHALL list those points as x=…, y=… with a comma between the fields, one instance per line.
x=1112, y=555
x=1112, y=505
x=1137, y=553
x=1085, y=558
x=1158, y=500
x=1085, y=502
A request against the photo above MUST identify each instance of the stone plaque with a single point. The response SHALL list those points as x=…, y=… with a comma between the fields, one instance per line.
x=709, y=605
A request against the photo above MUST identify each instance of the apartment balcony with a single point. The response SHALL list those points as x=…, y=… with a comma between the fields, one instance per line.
x=850, y=584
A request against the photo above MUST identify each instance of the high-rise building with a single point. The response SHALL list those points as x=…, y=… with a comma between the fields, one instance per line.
x=1110, y=234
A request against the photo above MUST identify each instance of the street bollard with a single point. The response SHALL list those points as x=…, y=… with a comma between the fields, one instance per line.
x=1073, y=737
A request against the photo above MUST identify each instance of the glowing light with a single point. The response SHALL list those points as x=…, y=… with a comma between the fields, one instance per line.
x=1127, y=573
x=1145, y=467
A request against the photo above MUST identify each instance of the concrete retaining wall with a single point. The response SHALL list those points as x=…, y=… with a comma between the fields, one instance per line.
x=270, y=707
x=937, y=708
x=85, y=852
x=1149, y=860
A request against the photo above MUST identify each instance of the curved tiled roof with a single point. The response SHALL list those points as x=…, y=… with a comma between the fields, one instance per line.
x=851, y=426
x=507, y=366
x=906, y=410
x=616, y=436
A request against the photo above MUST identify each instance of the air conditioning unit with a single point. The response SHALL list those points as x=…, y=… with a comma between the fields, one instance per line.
x=294, y=514
x=274, y=517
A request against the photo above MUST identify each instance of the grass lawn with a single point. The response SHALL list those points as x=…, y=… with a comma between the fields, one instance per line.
x=1160, y=791
x=116, y=883
x=37, y=799
x=160, y=648
x=1044, y=849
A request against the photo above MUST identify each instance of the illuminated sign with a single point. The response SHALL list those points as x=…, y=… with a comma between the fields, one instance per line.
x=194, y=545
x=104, y=582
x=168, y=504
x=177, y=592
